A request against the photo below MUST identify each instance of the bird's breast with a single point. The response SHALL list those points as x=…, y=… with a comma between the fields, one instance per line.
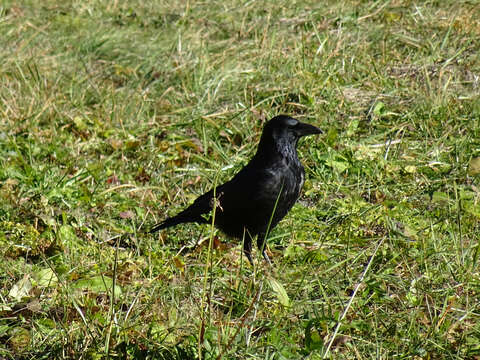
x=285, y=178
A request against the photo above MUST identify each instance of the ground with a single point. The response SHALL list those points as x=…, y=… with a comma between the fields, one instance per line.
x=117, y=114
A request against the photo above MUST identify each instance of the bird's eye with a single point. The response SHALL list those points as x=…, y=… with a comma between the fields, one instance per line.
x=292, y=122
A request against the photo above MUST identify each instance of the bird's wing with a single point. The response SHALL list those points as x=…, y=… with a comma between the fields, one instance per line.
x=243, y=196
x=248, y=191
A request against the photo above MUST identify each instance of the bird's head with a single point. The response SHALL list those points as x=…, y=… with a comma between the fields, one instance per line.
x=283, y=132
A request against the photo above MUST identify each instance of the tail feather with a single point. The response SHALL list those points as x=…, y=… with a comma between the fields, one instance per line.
x=191, y=214
x=167, y=223
x=175, y=220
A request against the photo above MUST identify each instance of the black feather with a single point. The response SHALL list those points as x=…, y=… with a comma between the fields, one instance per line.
x=260, y=195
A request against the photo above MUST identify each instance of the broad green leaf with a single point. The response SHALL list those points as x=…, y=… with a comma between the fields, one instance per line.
x=46, y=278
x=97, y=284
x=379, y=108
x=313, y=339
x=280, y=292
x=19, y=339
x=474, y=166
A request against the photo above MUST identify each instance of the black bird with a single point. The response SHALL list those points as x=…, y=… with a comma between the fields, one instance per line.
x=261, y=194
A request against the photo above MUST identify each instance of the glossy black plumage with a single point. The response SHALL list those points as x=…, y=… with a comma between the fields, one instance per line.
x=259, y=195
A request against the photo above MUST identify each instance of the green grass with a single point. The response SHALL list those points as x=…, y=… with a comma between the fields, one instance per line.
x=114, y=115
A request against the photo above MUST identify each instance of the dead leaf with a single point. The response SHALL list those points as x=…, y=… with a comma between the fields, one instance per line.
x=127, y=214
x=179, y=264
x=21, y=289
x=113, y=180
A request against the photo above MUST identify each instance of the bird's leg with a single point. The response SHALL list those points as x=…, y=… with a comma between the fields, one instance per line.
x=261, y=243
x=267, y=259
x=247, y=247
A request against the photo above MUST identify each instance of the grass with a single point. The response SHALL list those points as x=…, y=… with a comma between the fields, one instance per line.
x=117, y=114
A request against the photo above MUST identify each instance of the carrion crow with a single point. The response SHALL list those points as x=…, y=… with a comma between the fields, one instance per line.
x=259, y=195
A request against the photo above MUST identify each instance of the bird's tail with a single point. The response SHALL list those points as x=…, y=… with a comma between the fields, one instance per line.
x=186, y=216
x=167, y=223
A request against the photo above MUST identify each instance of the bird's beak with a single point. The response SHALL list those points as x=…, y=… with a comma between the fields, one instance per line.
x=304, y=129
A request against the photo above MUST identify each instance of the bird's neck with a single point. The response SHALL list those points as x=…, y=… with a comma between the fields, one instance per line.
x=270, y=150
